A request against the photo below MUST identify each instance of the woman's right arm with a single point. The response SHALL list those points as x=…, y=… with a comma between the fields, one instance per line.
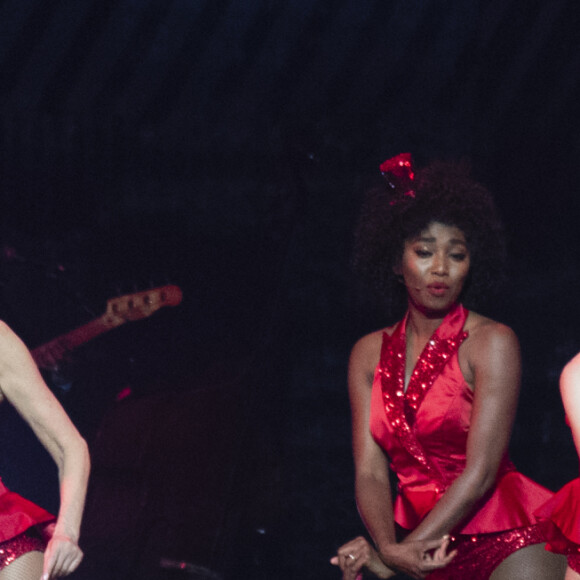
x=372, y=485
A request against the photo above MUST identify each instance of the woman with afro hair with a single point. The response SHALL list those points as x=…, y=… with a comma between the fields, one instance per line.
x=433, y=397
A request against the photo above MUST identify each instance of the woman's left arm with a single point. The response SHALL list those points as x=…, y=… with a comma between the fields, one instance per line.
x=22, y=385
x=493, y=357
x=570, y=391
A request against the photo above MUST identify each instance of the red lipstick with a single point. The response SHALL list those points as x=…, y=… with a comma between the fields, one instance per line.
x=437, y=288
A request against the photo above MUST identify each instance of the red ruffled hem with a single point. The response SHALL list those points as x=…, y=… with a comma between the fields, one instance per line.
x=511, y=504
x=563, y=510
x=17, y=514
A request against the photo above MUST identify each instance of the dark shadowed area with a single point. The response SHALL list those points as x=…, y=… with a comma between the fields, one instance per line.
x=222, y=146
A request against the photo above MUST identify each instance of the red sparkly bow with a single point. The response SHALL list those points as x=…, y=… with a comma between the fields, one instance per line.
x=398, y=171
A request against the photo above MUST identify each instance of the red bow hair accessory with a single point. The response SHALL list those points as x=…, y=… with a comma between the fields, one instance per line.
x=398, y=172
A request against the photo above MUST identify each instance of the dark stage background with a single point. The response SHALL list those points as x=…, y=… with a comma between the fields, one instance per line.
x=223, y=146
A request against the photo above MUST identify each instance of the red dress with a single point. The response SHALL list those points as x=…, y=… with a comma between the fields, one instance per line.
x=18, y=517
x=563, y=513
x=424, y=430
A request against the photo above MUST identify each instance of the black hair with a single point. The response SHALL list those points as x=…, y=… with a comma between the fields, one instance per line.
x=445, y=193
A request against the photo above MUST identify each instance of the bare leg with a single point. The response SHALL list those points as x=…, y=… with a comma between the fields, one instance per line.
x=26, y=567
x=571, y=575
x=530, y=563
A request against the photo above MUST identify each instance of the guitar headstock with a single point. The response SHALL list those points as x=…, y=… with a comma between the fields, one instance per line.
x=141, y=304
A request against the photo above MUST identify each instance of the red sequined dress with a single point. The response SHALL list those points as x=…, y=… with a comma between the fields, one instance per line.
x=18, y=517
x=424, y=430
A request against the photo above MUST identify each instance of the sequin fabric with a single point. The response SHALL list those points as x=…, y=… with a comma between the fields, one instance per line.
x=479, y=555
x=401, y=405
x=16, y=547
x=574, y=562
x=398, y=172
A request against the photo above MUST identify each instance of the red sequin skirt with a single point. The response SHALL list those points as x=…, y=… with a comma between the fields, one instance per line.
x=574, y=562
x=28, y=541
x=480, y=554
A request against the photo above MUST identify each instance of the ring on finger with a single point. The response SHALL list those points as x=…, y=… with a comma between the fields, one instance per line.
x=351, y=557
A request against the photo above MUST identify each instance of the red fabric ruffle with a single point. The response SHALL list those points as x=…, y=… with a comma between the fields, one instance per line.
x=17, y=514
x=512, y=503
x=563, y=510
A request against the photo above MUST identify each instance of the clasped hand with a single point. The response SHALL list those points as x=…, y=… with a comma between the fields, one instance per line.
x=415, y=558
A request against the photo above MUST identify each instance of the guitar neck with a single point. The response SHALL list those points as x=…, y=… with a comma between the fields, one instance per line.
x=130, y=307
x=78, y=336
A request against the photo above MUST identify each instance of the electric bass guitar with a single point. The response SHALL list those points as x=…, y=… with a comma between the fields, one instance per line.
x=119, y=310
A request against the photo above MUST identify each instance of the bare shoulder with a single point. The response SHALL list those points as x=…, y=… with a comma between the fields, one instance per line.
x=365, y=355
x=369, y=342
x=369, y=346
x=485, y=332
x=490, y=347
x=570, y=377
x=490, y=354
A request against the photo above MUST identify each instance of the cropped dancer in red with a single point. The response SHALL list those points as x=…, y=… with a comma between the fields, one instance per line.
x=433, y=397
x=563, y=509
x=35, y=545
